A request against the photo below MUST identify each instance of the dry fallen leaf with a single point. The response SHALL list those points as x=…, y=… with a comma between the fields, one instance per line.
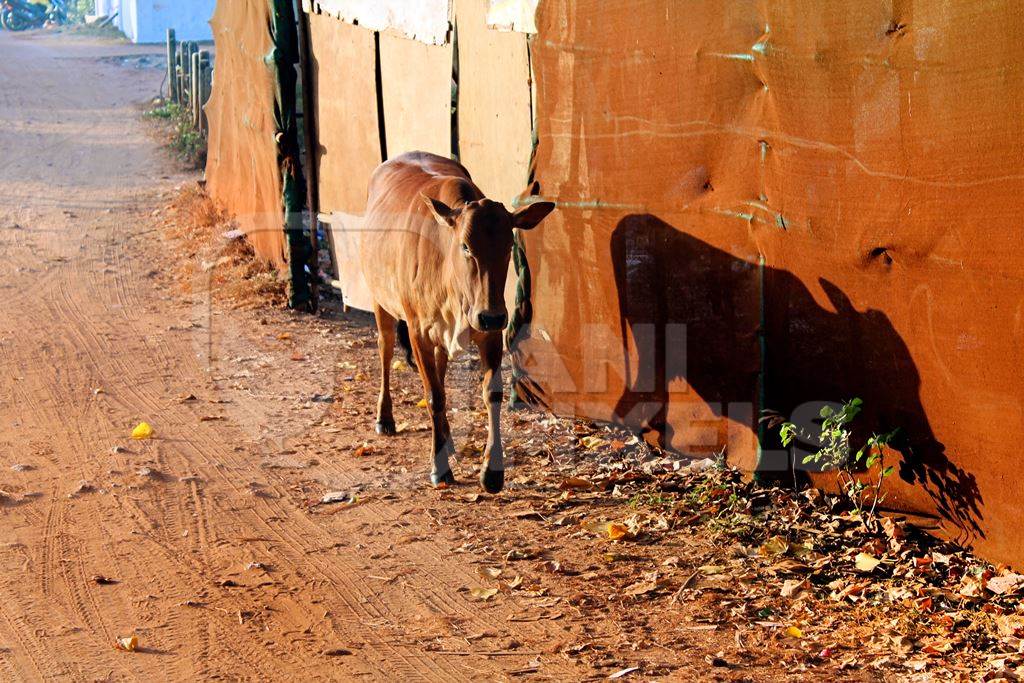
x=623, y=672
x=593, y=442
x=641, y=588
x=617, y=530
x=866, y=563
x=776, y=545
x=1004, y=584
x=344, y=497
x=510, y=585
x=489, y=572
x=127, y=643
x=576, y=484
x=483, y=593
x=794, y=632
x=612, y=530
x=794, y=587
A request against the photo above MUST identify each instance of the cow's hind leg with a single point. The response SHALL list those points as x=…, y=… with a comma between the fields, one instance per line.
x=432, y=374
x=386, y=347
x=492, y=469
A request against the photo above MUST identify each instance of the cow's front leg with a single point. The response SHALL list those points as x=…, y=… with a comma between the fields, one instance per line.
x=492, y=469
x=385, y=347
x=433, y=386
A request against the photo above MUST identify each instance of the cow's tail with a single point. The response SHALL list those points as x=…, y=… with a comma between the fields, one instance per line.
x=402, y=332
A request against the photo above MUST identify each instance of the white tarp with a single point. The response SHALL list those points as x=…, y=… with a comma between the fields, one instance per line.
x=424, y=20
x=513, y=15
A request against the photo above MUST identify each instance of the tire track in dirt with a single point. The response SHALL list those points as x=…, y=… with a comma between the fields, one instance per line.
x=93, y=318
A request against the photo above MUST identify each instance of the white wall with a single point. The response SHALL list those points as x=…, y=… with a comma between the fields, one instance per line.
x=147, y=21
x=190, y=19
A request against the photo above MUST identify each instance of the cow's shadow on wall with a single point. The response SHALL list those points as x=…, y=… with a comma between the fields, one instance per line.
x=673, y=287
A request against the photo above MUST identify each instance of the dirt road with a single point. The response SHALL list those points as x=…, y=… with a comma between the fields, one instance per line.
x=201, y=541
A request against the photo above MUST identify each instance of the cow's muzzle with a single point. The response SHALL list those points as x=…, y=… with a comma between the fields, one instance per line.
x=489, y=322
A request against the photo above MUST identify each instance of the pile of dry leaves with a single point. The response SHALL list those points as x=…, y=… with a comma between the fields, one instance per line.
x=791, y=572
x=214, y=257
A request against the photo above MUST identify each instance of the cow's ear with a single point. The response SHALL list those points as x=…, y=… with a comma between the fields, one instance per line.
x=530, y=215
x=442, y=212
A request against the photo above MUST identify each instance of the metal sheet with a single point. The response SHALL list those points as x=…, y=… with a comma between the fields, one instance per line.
x=513, y=15
x=346, y=231
x=346, y=119
x=495, y=126
x=424, y=20
x=417, y=85
x=241, y=169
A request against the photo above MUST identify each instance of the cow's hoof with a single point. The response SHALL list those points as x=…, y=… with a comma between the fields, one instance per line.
x=386, y=427
x=442, y=481
x=493, y=481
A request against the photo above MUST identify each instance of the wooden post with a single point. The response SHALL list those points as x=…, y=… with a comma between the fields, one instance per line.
x=172, y=78
x=310, y=139
x=205, y=74
x=194, y=100
x=180, y=71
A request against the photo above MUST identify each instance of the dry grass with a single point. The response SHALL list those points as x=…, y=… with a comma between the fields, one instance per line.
x=208, y=261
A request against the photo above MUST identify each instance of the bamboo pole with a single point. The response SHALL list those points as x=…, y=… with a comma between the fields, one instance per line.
x=310, y=136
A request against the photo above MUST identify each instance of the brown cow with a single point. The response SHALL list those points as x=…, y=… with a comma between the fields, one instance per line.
x=436, y=255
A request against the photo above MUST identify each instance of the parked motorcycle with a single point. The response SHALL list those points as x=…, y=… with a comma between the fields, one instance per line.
x=21, y=15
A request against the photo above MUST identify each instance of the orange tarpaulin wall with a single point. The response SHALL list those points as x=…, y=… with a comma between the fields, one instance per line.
x=242, y=172
x=762, y=206
x=776, y=204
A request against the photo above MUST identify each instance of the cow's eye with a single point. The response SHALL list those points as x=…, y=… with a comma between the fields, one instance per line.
x=465, y=250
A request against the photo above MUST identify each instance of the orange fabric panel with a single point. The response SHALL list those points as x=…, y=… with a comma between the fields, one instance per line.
x=241, y=169
x=838, y=176
x=894, y=163
x=643, y=271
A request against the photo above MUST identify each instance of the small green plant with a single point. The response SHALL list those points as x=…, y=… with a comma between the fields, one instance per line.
x=166, y=112
x=188, y=143
x=835, y=455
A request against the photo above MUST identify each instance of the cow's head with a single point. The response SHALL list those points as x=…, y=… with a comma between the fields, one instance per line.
x=481, y=251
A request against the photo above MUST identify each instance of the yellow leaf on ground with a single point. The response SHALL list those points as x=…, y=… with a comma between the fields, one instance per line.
x=399, y=366
x=423, y=403
x=142, y=431
x=776, y=545
x=593, y=442
x=127, y=643
x=794, y=632
x=483, y=593
x=617, y=530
